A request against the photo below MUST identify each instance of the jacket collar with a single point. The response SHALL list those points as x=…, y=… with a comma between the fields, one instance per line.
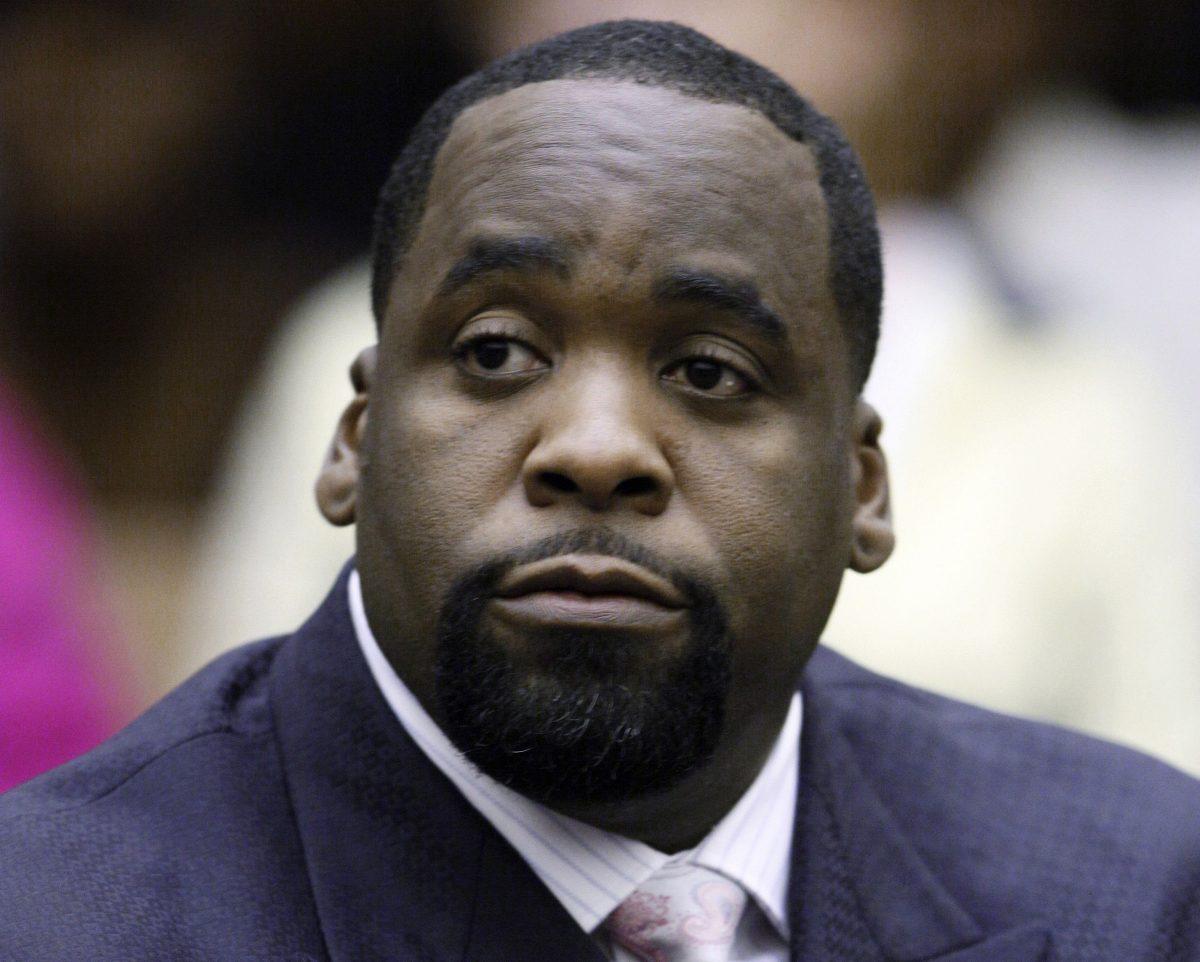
x=859, y=888
x=402, y=866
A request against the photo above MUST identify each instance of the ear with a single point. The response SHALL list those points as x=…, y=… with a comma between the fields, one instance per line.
x=337, y=484
x=871, y=527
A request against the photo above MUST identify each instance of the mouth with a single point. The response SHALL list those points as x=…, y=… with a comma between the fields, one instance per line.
x=589, y=591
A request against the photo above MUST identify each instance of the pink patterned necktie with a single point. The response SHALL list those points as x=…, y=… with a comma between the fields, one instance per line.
x=682, y=913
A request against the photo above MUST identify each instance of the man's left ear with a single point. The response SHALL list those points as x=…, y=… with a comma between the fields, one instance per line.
x=871, y=527
x=337, y=483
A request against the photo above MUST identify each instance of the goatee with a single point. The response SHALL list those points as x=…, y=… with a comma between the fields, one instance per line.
x=590, y=726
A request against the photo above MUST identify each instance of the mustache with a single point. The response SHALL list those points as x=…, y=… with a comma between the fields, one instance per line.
x=595, y=540
x=478, y=584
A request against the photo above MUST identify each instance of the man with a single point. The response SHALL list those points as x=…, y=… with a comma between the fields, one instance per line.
x=977, y=604
x=607, y=462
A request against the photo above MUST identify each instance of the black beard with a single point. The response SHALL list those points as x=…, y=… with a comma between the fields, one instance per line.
x=588, y=729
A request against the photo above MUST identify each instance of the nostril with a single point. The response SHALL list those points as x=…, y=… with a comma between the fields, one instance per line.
x=559, y=482
x=631, y=487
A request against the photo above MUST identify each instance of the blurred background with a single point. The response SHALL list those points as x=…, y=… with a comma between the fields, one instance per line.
x=185, y=201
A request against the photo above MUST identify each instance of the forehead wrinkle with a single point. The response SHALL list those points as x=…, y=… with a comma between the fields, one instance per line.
x=628, y=179
x=589, y=127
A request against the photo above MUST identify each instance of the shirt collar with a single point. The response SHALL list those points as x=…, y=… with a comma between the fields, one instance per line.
x=589, y=870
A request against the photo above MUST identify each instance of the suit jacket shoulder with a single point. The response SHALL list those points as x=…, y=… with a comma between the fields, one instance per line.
x=152, y=845
x=1012, y=822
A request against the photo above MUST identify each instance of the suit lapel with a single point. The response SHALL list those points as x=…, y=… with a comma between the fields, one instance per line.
x=516, y=917
x=401, y=865
x=859, y=889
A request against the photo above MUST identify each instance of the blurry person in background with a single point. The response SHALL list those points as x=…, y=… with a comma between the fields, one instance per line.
x=1072, y=601
x=262, y=546
x=64, y=682
x=1089, y=194
x=177, y=175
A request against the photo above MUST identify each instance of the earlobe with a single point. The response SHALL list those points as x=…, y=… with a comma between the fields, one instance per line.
x=872, y=535
x=337, y=483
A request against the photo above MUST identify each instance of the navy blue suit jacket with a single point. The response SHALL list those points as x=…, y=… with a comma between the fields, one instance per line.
x=273, y=808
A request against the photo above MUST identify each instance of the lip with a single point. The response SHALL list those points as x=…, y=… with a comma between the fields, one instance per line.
x=590, y=576
x=593, y=592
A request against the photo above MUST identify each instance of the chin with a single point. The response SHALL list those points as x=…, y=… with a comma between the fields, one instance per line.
x=578, y=717
x=579, y=734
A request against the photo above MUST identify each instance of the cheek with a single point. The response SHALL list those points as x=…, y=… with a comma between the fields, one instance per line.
x=774, y=503
x=438, y=470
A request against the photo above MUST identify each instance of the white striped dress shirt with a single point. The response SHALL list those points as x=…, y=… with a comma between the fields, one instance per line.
x=591, y=871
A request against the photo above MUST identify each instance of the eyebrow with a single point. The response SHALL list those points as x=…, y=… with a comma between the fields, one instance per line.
x=738, y=297
x=489, y=255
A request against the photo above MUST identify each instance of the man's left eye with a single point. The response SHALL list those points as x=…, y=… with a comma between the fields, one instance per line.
x=495, y=356
x=709, y=376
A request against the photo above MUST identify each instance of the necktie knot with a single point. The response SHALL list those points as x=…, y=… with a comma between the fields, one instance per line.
x=682, y=913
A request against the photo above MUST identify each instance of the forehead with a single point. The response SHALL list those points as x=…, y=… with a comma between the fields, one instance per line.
x=634, y=175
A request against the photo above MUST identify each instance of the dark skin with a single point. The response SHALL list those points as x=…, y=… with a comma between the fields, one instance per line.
x=616, y=313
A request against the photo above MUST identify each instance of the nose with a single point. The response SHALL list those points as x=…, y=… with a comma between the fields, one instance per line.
x=597, y=447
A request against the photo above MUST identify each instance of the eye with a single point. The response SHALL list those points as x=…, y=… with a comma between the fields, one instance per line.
x=494, y=355
x=709, y=376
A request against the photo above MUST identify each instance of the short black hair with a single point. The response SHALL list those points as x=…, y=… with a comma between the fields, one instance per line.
x=673, y=56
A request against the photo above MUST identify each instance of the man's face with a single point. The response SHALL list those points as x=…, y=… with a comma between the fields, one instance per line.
x=608, y=456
